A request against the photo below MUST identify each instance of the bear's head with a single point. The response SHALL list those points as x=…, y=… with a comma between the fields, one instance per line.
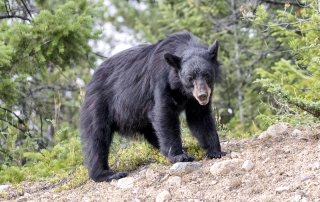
x=197, y=69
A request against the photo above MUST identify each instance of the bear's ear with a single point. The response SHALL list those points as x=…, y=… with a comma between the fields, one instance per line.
x=173, y=60
x=213, y=50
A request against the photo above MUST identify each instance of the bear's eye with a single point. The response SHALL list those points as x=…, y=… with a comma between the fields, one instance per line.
x=190, y=78
x=206, y=75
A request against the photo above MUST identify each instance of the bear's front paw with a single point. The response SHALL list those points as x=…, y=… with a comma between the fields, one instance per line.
x=215, y=154
x=181, y=158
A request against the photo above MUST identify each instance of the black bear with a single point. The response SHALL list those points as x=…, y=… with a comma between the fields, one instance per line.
x=143, y=89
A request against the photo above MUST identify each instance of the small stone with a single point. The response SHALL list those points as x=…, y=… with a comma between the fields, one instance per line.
x=299, y=192
x=150, y=174
x=143, y=172
x=278, y=129
x=266, y=160
x=296, y=133
x=3, y=187
x=175, y=181
x=316, y=166
x=182, y=168
x=304, y=199
x=136, y=200
x=22, y=198
x=263, y=135
x=247, y=165
x=224, y=167
x=55, y=196
x=163, y=196
x=214, y=182
x=164, y=178
x=297, y=198
x=282, y=189
x=235, y=155
x=85, y=199
x=125, y=183
x=114, y=182
x=304, y=178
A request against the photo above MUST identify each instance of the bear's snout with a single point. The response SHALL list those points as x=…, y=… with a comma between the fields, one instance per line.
x=203, y=96
x=201, y=91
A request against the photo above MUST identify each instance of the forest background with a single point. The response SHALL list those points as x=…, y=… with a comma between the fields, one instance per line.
x=49, y=50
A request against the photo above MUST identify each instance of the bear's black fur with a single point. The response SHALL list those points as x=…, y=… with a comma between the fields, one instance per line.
x=144, y=89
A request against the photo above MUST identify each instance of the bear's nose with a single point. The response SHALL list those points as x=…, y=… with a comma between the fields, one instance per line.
x=203, y=96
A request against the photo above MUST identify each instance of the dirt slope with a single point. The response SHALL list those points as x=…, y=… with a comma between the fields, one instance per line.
x=286, y=168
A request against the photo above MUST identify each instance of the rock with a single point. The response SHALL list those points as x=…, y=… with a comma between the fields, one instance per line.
x=235, y=155
x=214, y=182
x=247, y=165
x=163, y=196
x=263, y=135
x=22, y=198
x=175, y=181
x=126, y=182
x=266, y=160
x=55, y=196
x=114, y=182
x=299, y=192
x=150, y=174
x=278, y=129
x=304, y=178
x=316, y=166
x=296, y=133
x=3, y=187
x=282, y=189
x=136, y=200
x=164, y=178
x=304, y=199
x=224, y=167
x=85, y=199
x=182, y=168
x=297, y=198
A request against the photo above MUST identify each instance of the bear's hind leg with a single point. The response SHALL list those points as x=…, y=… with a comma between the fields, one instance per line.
x=97, y=157
x=96, y=134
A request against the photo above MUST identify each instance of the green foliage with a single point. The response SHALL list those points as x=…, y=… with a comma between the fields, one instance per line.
x=62, y=158
x=12, y=174
x=77, y=178
x=295, y=83
x=42, y=56
x=60, y=38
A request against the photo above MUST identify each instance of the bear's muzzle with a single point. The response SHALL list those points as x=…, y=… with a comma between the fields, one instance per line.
x=201, y=91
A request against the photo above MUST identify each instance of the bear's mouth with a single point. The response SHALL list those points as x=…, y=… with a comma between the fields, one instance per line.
x=203, y=102
x=201, y=92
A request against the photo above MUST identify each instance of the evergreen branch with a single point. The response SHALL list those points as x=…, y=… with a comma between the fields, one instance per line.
x=54, y=88
x=297, y=3
x=14, y=16
x=312, y=108
x=99, y=55
x=4, y=129
x=19, y=119
x=1, y=119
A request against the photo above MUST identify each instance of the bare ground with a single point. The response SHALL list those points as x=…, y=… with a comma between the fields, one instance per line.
x=286, y=161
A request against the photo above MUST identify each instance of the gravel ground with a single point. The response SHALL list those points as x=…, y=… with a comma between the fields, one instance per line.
x=286, y=167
